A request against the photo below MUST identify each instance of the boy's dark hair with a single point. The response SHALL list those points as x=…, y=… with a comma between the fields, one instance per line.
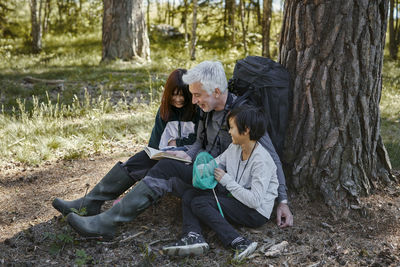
x=249, y=117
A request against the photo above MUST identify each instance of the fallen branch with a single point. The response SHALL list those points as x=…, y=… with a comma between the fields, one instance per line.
x=30, y=79
x=131, y=237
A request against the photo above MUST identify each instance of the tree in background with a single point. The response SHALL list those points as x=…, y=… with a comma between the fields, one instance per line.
x=394, y=29
x=266, y=27
x=124, y=30
x=334, y=53
x=244, y=28
x=230, y=11
x=36, y=25
x=194, y=29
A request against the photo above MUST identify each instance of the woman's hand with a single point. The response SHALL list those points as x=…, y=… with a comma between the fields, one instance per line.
x=218, y=174
x=172, y=143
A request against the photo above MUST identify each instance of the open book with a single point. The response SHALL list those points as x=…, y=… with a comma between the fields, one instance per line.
x=159, y=154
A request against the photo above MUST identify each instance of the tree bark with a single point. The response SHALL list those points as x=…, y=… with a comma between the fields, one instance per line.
x=194, y=35
x=124, y=31
x=334, y=53
x=36, y=29
x=266, y=27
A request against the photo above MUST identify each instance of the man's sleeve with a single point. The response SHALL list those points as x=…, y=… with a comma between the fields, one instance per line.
x=194, y=149
x=267, y=143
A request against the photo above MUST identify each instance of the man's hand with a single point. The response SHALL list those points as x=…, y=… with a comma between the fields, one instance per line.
x=284, y=217
x=180, y=154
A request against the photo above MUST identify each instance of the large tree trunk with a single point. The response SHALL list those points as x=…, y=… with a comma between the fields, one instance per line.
x=36, y=29
x=334, y=52
x=266, y=27
x=124, y=30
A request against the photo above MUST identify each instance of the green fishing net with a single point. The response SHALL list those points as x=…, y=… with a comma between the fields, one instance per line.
x=203, y=174
x=203, y=171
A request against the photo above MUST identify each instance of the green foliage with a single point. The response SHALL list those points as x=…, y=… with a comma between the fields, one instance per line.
x=82, y=258
x=58, y=241
x=94, y=107
x=80, y=212
x=390, y=110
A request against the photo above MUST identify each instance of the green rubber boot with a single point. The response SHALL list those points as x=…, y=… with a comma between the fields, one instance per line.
x=113, y=184
x=104, y=225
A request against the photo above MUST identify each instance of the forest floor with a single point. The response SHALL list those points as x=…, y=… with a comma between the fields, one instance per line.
x=32, y=233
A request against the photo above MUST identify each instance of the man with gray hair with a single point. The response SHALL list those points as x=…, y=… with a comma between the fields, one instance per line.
x=208, y=85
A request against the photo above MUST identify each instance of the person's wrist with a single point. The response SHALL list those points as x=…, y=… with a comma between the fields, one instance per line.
x=284, y=201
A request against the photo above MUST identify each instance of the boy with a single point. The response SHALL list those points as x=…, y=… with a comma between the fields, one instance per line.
x=246, y=191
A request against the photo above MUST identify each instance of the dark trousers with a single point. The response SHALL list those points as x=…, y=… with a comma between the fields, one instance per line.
x=201, y=206
x=138, y=165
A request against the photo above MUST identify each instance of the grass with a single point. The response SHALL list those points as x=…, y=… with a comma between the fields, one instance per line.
x=50, y=131
x=390, y=111
x=94, y=108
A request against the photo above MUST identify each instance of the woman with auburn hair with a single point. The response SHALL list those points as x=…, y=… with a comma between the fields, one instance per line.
x=175, y=125
x=176, y=119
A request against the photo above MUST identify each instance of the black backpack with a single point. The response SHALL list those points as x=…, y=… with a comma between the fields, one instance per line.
x=265, y=83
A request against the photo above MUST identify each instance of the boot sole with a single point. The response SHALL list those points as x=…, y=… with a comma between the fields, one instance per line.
x=195, y=250
x=75, y=226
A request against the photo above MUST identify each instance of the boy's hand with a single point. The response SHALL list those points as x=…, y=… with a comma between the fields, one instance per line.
x=218, y=174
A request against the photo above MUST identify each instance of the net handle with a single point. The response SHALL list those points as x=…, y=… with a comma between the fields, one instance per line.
x=219, y=206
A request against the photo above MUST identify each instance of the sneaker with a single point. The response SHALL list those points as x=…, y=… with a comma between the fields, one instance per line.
x=191, y=244
x=243, y=247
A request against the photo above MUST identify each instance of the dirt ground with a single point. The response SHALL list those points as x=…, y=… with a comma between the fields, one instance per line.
x=32, y=233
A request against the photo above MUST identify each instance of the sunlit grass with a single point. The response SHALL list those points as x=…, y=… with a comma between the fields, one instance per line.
x=390, y=110
x=93, y=110
x=52, y=131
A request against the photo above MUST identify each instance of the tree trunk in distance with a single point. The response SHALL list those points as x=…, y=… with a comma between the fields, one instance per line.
x=46, y=17
x=124, y=31
x=194, y=35
x=334, y=53
x=36, y=29
x=148, y=15
x=185, y=24
x=231, y=20
x=258, y=12
x=225, y=18
x=393, y=43
x=241, y=6
x=266, y=27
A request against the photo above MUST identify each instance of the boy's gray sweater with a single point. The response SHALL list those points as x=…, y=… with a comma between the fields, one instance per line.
x=216, y=122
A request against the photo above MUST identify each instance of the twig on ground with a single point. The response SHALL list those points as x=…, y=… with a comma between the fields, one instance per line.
x=131, y=237
x=160, y=240
x=16, y=142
